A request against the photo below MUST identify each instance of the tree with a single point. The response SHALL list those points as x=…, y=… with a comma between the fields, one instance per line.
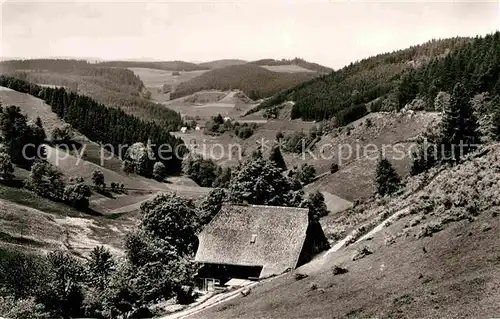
x=200, y=170
x=66, y=296
x=121, y=297
x=442, y=101
x=161, y=249
x=23, y=140
x=317, y=206
x=387, y=179
x=495, y=118
x=223, y=177
x=212, y=204
x=159, y=171
x=277, y=158
x=63, y=133
x=45, y=180
x=6, y=169
x=98, y=179
x=128, y=167
x=306, y=174
x=458, y=128
x=100, y=268
x=260, y=182
x=77, y=195
x=334, y=168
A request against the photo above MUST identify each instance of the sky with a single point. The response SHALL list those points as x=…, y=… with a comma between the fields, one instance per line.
x=333, y=33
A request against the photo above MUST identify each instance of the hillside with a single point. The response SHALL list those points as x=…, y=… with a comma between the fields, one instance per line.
x=160, y=65
x=116, y=87
x=256, y=82
x=344, y=93
x=294, y=62
x=435, y=259
x=222, y=63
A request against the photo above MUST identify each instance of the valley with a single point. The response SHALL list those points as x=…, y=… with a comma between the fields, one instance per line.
x=367, y=191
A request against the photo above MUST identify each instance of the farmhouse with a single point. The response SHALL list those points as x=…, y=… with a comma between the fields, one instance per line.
x=252, y=242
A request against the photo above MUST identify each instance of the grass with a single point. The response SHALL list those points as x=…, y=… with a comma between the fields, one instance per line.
x=444, y=275
x=27, y=198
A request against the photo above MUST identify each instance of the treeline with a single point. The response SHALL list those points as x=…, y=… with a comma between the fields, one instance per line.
x=102, y=124
x=296, y=61
x=255, y=81
x=117, y=87
x=361, y=82
x=476, y=64
x=163, y=65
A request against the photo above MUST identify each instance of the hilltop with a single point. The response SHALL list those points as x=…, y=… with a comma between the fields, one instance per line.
x=161, y=65
x=301, y=63
x=256, y=82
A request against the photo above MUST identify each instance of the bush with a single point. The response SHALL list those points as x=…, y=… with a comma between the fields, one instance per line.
x=22, y=309
x=337, y=270
x=361, y=252
x=429, y=229
x=306, y=174
x=77, y=195
x=334, y=168
x=300, y=276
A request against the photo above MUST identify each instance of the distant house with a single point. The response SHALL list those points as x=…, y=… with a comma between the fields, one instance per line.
x=252, y=242
x=227, y=118
x=183, y=129
x=197, y=128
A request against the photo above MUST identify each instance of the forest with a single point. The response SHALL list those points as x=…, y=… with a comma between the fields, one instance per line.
x=254, y=81
x=374, y=81
x=113, y=86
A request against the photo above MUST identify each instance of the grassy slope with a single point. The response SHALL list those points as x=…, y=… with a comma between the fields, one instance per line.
x=356, y=175
x=452, y=274
x=130, y=98
x=29, y=221
x=300, y=63
x=254, y=81
x=374, y=77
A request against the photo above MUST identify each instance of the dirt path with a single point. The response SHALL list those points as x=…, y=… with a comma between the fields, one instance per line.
x=381, y=226
x=209, y=303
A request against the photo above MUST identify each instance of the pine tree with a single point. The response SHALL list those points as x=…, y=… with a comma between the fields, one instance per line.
x=459, y=133
x=277, y=158
x=388, y=181
x=495, y=118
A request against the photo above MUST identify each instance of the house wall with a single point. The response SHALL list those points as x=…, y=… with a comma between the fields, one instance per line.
x=210, y=273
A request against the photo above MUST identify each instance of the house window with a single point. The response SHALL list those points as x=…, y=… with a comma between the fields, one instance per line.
x=254, y=237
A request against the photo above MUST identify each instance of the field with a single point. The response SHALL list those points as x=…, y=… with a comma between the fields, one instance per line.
x=352, y=147
x=154, y=79
x=29, y=221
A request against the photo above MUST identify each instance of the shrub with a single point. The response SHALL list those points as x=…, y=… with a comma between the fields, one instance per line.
x=337, y=270
x=98, y=178
x=300, y=276
x=334, y=168
x=361, y=252
x=77, y=195
x=429, y=229
x=313, y=286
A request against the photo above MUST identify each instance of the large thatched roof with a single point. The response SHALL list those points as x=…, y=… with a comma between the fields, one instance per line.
x=278, y=234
